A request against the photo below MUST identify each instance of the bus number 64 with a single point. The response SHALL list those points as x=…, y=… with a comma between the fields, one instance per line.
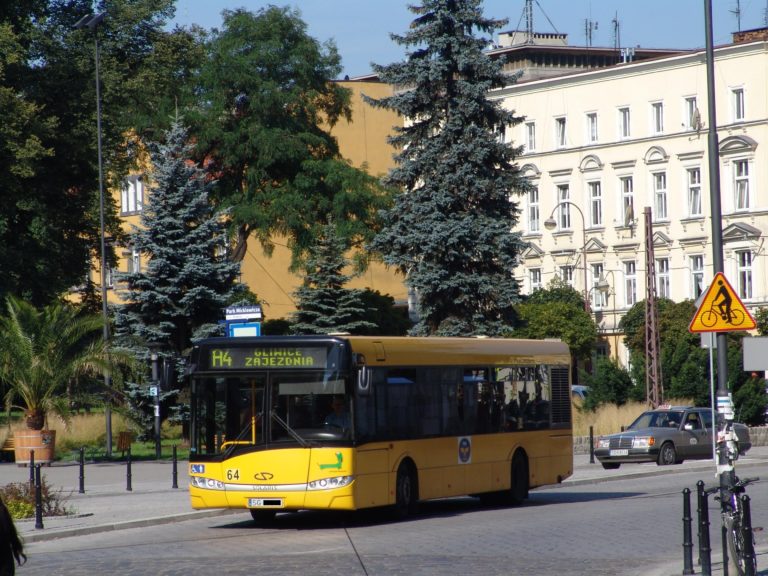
x=233, y=474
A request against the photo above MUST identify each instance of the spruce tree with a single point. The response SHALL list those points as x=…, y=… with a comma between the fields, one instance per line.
x=323, y=304
x=186, y=280
x=450, y=230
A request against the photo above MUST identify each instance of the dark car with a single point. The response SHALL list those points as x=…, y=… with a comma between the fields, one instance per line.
x=666, y=435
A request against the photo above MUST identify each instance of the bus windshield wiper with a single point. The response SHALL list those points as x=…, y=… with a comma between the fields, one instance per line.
x=288, y=429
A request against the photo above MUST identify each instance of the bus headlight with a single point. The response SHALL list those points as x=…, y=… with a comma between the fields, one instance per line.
x=206, y=483
x=330, y=483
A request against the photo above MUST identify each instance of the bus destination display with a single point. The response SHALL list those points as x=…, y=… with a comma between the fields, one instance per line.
x=281, y=357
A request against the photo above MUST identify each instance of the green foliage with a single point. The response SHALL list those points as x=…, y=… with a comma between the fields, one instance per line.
x=449, y=231
x=42, y=351
x=266, y=102
x=323, y=304
x=558, y=312
x=761, y=319
x=276, y=327
x=389, y=320
x=750, y=401
x=19, y=497
x=608, y=384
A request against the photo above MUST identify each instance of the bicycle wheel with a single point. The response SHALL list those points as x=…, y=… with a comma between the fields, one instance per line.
x=709, y=318
x=737, y=317
x=736, y=559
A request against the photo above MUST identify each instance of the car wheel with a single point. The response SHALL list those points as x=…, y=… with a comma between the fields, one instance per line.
x=667, y=454
x=610, y=465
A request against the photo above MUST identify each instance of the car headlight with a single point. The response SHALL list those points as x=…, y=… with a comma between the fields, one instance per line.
x=643, y=441
x=330, y=483
x=206, y=483
x=603, y=443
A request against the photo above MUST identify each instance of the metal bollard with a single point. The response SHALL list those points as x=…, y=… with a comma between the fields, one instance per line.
x=82, y=470
x=175, y=473
x=705, y=558
x=32, y=469
x=128, y=486
x=38, y=499
x=687, y=536
x=591, y=446
x=746, y=528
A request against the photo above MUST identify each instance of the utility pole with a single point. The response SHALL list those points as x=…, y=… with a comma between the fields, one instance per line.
x=654, y=387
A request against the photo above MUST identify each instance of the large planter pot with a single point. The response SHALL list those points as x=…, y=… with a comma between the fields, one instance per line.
x=43, y=442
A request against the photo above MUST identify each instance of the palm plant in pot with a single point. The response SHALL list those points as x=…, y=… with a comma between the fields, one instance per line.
x=41, y=351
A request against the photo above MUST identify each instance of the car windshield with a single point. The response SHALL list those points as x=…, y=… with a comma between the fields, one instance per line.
x=657, y=419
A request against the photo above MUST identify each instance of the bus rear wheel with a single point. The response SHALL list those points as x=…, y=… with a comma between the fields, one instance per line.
x=406, y=491
x=518, y=492
x=263, y=517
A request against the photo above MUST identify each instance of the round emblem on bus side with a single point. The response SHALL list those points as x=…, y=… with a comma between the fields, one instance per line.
x=465, y=450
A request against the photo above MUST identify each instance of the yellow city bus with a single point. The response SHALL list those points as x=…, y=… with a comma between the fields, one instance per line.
x=345, y=422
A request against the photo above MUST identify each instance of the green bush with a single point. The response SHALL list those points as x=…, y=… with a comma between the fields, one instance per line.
x=19, y=497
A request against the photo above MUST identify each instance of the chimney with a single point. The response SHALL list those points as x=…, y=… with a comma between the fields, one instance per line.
x=754, y=35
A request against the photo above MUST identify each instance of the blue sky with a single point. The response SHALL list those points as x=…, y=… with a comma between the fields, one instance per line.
x=361, y=28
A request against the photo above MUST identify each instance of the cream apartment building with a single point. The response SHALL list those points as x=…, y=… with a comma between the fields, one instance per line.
x=603, y=145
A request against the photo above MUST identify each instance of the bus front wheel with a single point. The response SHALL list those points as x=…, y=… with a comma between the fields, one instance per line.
x=406, y=491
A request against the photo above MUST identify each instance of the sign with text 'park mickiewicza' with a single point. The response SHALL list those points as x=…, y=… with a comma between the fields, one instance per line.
x=721, y=310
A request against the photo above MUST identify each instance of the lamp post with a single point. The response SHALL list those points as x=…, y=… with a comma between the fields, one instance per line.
x=91, y=22
x=550, y=224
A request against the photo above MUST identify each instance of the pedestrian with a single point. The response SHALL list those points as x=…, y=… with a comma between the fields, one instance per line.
x=11, y=548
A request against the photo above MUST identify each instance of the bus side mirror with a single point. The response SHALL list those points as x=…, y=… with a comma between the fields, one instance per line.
x=363, y=381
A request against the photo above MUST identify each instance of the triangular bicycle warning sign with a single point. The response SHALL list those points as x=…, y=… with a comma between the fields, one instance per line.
x=721, y=310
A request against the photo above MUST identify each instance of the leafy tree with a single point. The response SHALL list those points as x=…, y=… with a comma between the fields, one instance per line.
x=266, y=100
x=188, y=280
x=388, y=319
x=761, y=320
x=449, y=231
x=750, y=401
x=609, y=383
x=557, y=290
x=323, y=304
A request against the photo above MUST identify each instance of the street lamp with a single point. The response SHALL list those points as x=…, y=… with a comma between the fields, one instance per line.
x=550, y=224
x=91, y=22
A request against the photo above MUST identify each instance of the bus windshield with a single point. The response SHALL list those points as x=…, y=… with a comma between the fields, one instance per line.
x=235, y=413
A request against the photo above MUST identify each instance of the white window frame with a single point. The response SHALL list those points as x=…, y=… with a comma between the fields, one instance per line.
x=630, y=282
x=134, y=260
x=738, y=104
x=693, y=191
x=691, y=113
x=741, y=185
x=657, y=117
x=566, y=274
x=564, y=210
x=595, y=191
x=696, y=265
x=132, y=195
x=599, y=299
x=660, y=205
x=534, y=277
x=530, y=136
x=625, y=123
x=663, y=289
x=627, y=195
x=591, y=126
x=744, y=273
x=561, y=135
x=534, y=213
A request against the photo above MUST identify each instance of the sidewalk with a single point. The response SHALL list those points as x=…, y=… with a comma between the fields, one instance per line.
x=107, y=504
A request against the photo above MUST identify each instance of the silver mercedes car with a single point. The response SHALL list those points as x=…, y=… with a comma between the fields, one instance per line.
x=667, y=435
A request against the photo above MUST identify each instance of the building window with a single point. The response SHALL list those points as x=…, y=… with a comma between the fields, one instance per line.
x=627, y=200
x=134, y=261
x=744, y=262
x=530, y=136
x=697, y=275
x=132, y=195
x=535, y=277
x=692, y=114
x=662, y=278
x=657, y=117
x=595, y=203
x=560, y=137
x=660, y=195
x=737, y=95
x=694, y=191
x=741, y=184
x=599, y=299
x=624, y=126
x=566, y=275
x=592, y=127
x=533, y=210
x=564, y=211
x=630, y=279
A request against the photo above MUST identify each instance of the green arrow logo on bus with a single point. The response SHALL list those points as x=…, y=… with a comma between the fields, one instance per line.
x=336, y=465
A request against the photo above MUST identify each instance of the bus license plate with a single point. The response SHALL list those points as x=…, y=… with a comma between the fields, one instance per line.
x=261, y=502
x=619, y=452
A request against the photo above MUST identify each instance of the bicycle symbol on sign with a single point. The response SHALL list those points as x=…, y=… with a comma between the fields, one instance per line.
x=721, y=310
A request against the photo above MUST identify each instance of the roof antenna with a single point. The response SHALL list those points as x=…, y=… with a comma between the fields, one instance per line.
x=737, y=12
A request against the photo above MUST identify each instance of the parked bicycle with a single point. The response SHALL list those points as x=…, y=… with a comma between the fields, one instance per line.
x=739, y=534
